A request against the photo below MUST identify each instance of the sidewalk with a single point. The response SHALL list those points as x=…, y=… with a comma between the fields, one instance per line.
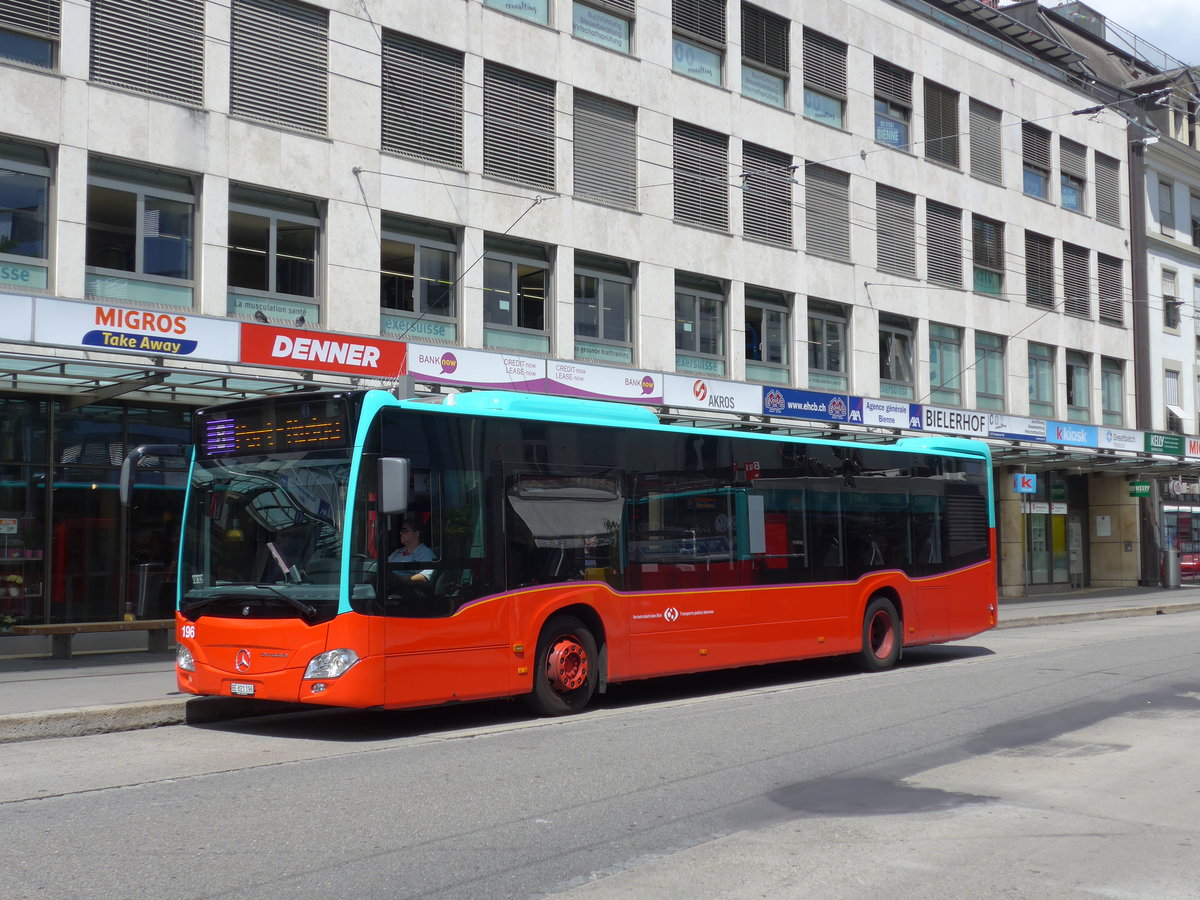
x=124, y=690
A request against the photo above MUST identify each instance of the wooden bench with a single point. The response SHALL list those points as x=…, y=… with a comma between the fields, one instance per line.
x=62, y=634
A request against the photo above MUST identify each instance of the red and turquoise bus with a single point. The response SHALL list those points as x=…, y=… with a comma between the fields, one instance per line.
x=567, y=545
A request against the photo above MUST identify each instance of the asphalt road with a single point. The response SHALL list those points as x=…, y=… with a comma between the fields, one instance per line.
x=1041, y=762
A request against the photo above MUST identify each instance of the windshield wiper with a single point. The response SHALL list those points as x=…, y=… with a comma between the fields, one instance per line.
x=305, y=609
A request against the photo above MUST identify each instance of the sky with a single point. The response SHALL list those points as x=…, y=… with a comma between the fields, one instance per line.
x=1170, y=25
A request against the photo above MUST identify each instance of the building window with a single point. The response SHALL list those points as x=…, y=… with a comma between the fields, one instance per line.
x=1166, y=206
x=824, y=79
x=518, y=126
x=1170, y=300
x=418, y=271
x=827, y=212
x=1110, y=278
x=895, y=357
x=154, y=48
x=701, y=177
x=1035, y=160
x=945, y=364
x=1079, y=387
x=893, y=105
x=422, y=100
x=516, y=278
x=986, y=155
x=767, y=179
x=1077, y=281
x=895, y=230
x=989, y=371
x=1039, y=270
x=605, y=134
x=603, y=309
x=1072, y=158
x=987, y=249
x=1041, y=380
x=29, y=31
x=279, y=63
x=1195, y=207
x=273, y=245
x=699, y=326
x=608, y=23
x=767, y=318
x=826, y=346
x=941, y=124
x=766, y=56
x=24, y=213
x=1108, y=190
x=944, y=247
x=1175, y=413
x=1112, y=391
x=140, y=230
x=699, y=40
x=533, y=10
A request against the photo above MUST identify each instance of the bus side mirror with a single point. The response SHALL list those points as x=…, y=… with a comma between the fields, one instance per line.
x=393, y=485
x=135, y=456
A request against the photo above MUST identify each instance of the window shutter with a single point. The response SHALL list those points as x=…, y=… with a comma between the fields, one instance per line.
x=893, y=83
x=1072, y=159
x=628, y=7
x=702, y=18
x=1111, y=284
x=1077, y=277
x=518, y=126
x=36, y=17
x=941, y=124
x=765, y=38
x=279, y=63
x=605, y=150
x=895, y=213
x=1108, y=190
x=154, y=46
x=1035, y=146
x=767, y=194
x=827, y=212
x=1039, y=270
x=824, y=63
x=985, y=143
x=422, y=100
x=944, y=227
x=701, y=160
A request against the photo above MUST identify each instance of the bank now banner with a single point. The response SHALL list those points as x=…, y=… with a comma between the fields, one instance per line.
x=267, y=345
x=476, y=368
x=570, y=379
x=98, y=326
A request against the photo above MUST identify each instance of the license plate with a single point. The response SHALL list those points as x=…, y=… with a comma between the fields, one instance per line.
x=241, y=690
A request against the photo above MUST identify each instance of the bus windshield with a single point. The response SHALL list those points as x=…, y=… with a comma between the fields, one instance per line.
x=264, y=536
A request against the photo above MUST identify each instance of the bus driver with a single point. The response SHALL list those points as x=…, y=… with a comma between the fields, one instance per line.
x=412, y=549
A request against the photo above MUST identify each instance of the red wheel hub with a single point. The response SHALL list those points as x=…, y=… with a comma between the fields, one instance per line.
x=882, y=635
x=567, y=665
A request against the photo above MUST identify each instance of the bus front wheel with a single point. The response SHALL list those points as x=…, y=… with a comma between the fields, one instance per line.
x=882, y=637
x=565, y=673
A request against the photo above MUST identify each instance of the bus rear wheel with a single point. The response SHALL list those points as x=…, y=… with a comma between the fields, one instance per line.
x=565, y=672
x=882, y=636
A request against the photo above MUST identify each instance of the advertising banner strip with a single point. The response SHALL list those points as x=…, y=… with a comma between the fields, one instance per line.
x=16, y=321
x=955, y=421
x=886, y=413
x=1016, y=428
x=476, y=368
x=690, y=392
x=816, y=405
x=268, y=345
x=96, y=326
x=1071, y=434
x=568, y=379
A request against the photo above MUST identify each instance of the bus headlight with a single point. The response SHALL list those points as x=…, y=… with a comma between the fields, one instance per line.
x=183, y=659
x=331, y=663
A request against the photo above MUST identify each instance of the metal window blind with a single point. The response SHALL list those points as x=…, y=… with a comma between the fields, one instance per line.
x=627, y=7
x=941, y=124
x=765, y=38
x=36, y=17
x=1111, y=283
x=1077, y=276
x=154, y=46
x=279, y=71
x=895, y=216
x=701, y=160
x=422, y=100
x=1039, y=270
x=1072, y=159
x=893, y=83
x=987, y=243
x=1108, y=190
x=518, y=126
x=824, y=63
x=943, y=225
x=986, y=157
x=767, y=194
x=605, y=140
x=827, y=212
x=702, y=18
x=1035, y=146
